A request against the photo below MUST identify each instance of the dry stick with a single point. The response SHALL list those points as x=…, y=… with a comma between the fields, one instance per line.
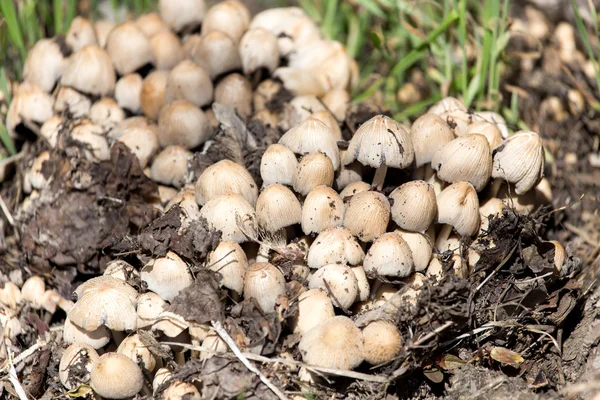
x=218, y=327
x=14, y=380
x=7, y=212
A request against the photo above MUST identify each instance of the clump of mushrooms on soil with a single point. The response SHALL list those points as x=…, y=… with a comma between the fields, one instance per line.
x=202, y=192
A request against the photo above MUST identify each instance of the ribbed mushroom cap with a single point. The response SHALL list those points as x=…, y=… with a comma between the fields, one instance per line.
x=364, y=288
x=229, y=260
x=50, y=130
x=128, y=48
x=520, y=160
x=73, y=357
x=389, y=255
x=170, y=166
x=335, y=343
x=80, y=34
x=152, y=95
x=162, y=375
x=222, y=213
x=182, y=14
x=121, y=269
x=167, y=276
x=264, y=283
x=414, y=206
x=106, y=113
x=180, y=390
x=458, y=205
x=335, y=246
x=217, y=53
x=382, y=342
x=259, y=49
x=312, y=136
x=182, y=123
x=314, y=169
x=277, y=207
x=367, y=215
x=29, y=104
x=45, y=64
x=116, y=376
x=429, y=134
x=447, y=104
x=338, y=281
x=491, y=207
x=142, y=140
x=72, y=102
x=150, y=307
x=354, y=188
x=134, y=348
x=299, y=109
x=127, y=92
x=488, y=129
x=90, y=71
x=314, y=307
x=170, y=324
x=189, y=81
x=420, y=247
x=493, y=117
x=102, y=27
x=328, y=119
x=167, y=51
x=105, y=301
x=97, y=338
x=278, y=165
x=458, y=120
x=151, y=23
x=323, y=209
x=230, y=17
x=225, y=177
x=466, y=158
x=235, y=91
x=381, y=141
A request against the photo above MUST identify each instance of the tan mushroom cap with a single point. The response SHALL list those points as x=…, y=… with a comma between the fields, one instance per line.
x=337, y=101
x=116, y=376
x=121, y=269
x=189, y=81
x=102, y=27
x=97, y=338
x=90, y=71
x=414, y=206
x=335, y=246
x=167, y=276
x=30, y=104
x=466, y=158
x=367, y=215
x=364, y=288
x=182, y=123
x=106, y=113
x=180, y=390
x=133, y=347
x=150, y=307
x=495, y=118
x=223, y=212
x=45, y=64
x=230, y=17
x=381, y=141
x=429, y=134
x=314, y=169
x=278, y=165
x=259, y=49
x=235, y=91
x=230, y=261
x=420, y=247
x=10, y=295
x=105, y=301
x=217, y=53
x=312, y=136
x=458, y=205
x=335, y=343
x=170, y=166
x=127, y=92
x=488, y=129
x=70, y=101
x=314, y=307
x=152, y=94
x=264, y=283
x=389, y=255
x=277, y=207
x=338, y=281
x=382, y=342
x=226, y=177
x=33, y=290
x=142, y=140
x=167, y=51
x=323, y=209
x=447, y=104
x=170, y=324
x=151, y=23
x=354, y=188
x=128, y=48
x=182, y=13
x=72, y=357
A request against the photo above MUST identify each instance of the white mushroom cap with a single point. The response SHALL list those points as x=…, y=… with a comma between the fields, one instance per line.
x=338, y=281
x=278, y=165
x=337, y=101
x=70, y=101
x=264, y=283
x=166, y=276
x=189, y=81
x=76, y=354
x=182, y=14
x=447, y=104
x=170, y=324
x=214, y=343
x=90, y=71
x=182, y=123
x=414, y=206
x=314, y=169
x=429, y=134
x=106, y=113
x=328, y=119
x=259, y=49
x=81, y=33
x=382, y=342
x=116, y=376
x=127, y=92
x=230, y=17
x=323, y=209
x=30, y=104
x=128, y=48
x=381, y=141
x=226, y=177
x=354, y=188
x=420, y=247
x=152, y=95
x=161, y=376
x=150, y=307
x=45, y=64
x=299, y=109
x=229, y=260
x=222, y=213
x=180, y=390
x=217, y=53
x=458, y=205
x=92, y=137
x=10, y=295
x=235, y=91
x=50, y=130
x=133, y=347
x=520, y=160
x=335, y=246
x=97, y=338
x=142, y=140
x=105, y=301
x=102, y=27
x=277, y=207
x=364, y=288
x=334, y=343
x=314, y=307
x=488, y=129
x=466, y=158
x=367, y=215
x=33, y=290
x=312, y=136
x=491, y=207
x=389, y=255
x=151, y=23
x=493, y=117
x=121, y=269
x=167, y=51
x=170, y=166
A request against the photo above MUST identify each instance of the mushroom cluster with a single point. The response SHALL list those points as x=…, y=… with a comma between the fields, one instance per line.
x=326, y=227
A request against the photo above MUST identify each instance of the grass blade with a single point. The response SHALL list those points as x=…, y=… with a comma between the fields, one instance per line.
x=6, y=140
x=586, y=40
x=8, y=11
x=58, y=16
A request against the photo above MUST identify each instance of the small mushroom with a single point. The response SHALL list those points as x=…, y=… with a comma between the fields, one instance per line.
x=278, y=165
x=323, y=209
x=166, y=276
x=182, y=14
x=223, y=212
x=277, y=207
x=335, y=246
x=338, y=281
x=81, y=33
x=45, y=64
x=389, y=255
x=134, y=348
x=230, y=17
x=264, y=283
x=127, y=92
x=382, y=342
x=170, y=166
x=259, y=49
x=189, y=81
x=151, y=23
x=152, y=94
x=312, y=136
x=90, y=71
x=230, y=261
x=74, y=357
x=367, y=215
x=128, y=48
x=314, y=307
x=314, y=169
x=116, y=376
x=414, y=206
x=182, y=123
x=217, y=53
x=226, y=177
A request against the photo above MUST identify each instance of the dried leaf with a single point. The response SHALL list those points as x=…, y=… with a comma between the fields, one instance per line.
x=434, y=374
x=199, y=302
x=506, y=356
x=81, y=391
x=450, y=362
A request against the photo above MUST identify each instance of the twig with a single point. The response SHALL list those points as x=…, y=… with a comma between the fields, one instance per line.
x=504, y=261
x=259, y=358
x=218, y=327
x=431, y=334
x=492, y=385
x=582, y=234
x=26, y=353
x=7, y=212
x=14, y=380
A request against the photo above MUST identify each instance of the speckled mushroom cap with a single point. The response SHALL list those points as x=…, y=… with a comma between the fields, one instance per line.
x=414, y=206
x=367, y=215
x=335, y=246
x=389, y=255
x=116, y=376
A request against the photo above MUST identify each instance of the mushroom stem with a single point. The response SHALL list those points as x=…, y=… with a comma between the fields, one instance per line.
x=443, y=236
x=180, y=357
x=496, y=186
x=380, y=177
x=263, y=254
x=424, y=172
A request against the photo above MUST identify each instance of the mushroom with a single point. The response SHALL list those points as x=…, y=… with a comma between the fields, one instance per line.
x=488, y=129
x=189, y=81
x=180, y=390
x=79, y=358
x=420, y=247
x=314, y=307
x=45, y=63
x=102, y=28
x=389, y=255
x=235, y=91
x=354, y=188
x=30, y=107
x=217, y=53
x=128, y=91
x=90, y=71
x=170, y=166
x=150, y=307
x=277, y=207
x=166, y=276
x=264, y=283
x=33, y=290
x=182, y=14
x=447, y=104
x=458, y=207
x=128, y=48
x=223, y=212
x=265, y=93
x=495, y=118
x=299, y=109
x=259, y=49
x=364, y=288
x=116, y=376
x=382, y=342
x=335, y=343
x=106, y=113
x=230, y=17
x=334, y=246
x=141, y=139
x=312, y=136
x=96, y=338
x=92, y=140
x=278, y=165
x=348, y=174
x=50, y=130
x=80, y=34
x=226, y=177
x=10, y=295
x=314, y=169
x=166, y=50
x=367, y=215
x=338, y=281
x=151, y=23
x=152, y=95
x=182, y=123
x=323, y=209
x=429, y=134
x=162, y=376
x=230, y=261
x=337, y=101
x=70, y=101
x=491, y=207
x=134, y=348
x=122, y=270
x=414, y=206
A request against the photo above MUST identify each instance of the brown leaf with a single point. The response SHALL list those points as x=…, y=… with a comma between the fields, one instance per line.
x=450, y=362
x=199, y=302
x=434, y=375
x=506, y=356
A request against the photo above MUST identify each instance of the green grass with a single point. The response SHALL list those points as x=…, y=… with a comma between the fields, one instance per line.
x=592, y=52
